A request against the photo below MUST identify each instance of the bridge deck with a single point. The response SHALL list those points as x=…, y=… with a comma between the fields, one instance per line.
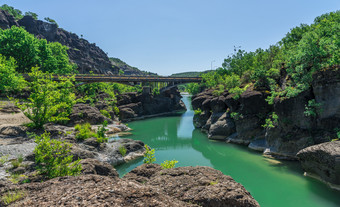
x=124, y=79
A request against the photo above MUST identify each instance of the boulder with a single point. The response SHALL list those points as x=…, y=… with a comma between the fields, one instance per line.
x=13, y=130
x=322, y=160
x=83, y=113
x=203, y=186
x=93, y=166
x=93, y=190
x=222, y=127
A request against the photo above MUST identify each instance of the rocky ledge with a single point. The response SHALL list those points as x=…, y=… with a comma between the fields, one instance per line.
x=241, y=120
x=147, y=185
x=322, y=161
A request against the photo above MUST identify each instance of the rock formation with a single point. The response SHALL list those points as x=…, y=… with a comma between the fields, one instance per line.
x=323, y=161
x=221, y=116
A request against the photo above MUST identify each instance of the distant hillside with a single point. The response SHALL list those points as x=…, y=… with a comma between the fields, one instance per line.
x=129, y=70
x=189, y=74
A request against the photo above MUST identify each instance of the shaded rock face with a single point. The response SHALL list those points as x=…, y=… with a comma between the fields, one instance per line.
x=7, y=20
x=293, y=130
x=83, y=113
x=322, y=160
x=133, y=105
x=216, y=119
x=87, y=56
x=203, y=186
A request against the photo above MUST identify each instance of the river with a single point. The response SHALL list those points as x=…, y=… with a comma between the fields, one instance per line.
x=272, y=183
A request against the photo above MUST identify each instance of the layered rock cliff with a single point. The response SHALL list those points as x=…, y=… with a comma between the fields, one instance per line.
x=242, y=121
x=87, y=56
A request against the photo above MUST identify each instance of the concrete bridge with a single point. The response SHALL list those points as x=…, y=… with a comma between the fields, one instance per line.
x=130, y=80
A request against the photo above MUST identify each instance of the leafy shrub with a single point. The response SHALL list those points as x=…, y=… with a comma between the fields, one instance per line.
x=49, y=101
x=122, y=150
x=219, y=90
x=312, y=108
x=17, y=162
x=149, y=155
x=3, y=160
x=105, y=113
x=272, y=121
x=116, y=110
x=169, y=164
x=84, y=131
x=198, y=111
x=101, y=133
x=52, y=159
x=12, y=196
x=237, y=91
x=236, y=115
x=10, y=80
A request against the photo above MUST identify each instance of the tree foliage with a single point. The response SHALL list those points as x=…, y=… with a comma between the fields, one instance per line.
x=16, y=13
x=10, y=80
x=29, y=52
x=52, y=159
x=49, y=101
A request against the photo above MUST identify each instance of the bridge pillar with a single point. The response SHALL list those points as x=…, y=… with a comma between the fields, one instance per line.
x=146, y=90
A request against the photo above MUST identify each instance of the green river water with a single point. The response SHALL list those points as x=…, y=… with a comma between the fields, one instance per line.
x=271, y=183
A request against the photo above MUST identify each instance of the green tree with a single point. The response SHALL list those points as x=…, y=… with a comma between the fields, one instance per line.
x=32, y=14
x=52, y=159
x=29, y=52
x=49, y=101
x=16, y=13
x=52, y=21
x=10, y=80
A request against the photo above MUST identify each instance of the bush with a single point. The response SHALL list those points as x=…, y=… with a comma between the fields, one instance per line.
x=272, y=121
x=312, y=108
x=169, y=164
x=3, y=160
x=149, y=155
x=105, y=113
x=52, y=159
x=101, y=133
x=84, y=131
x=12, y=196
x=49, y=101
x=198, y=111
x=10, y=80
x=122, y=150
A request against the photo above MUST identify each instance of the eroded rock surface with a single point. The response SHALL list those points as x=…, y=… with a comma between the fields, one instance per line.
x=199, y=185
x=322, y=160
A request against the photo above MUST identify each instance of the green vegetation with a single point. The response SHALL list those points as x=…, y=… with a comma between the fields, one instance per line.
x=3, y=160
x=16, y=13
x=303, y=51
x=105, y=113
x=29, y=52
x=12, y=196
x=272, y=121
x=17, y=162
x=198, y=111
x=52, y=21
x=236, y=115
x=49, y=101
x=32, y=14
x=84, y=131
x=149, y=155
x=10, y=80
x=122, y=150
x=169, y=164
x=312, y=109
x=52, y=159
x=101, y=133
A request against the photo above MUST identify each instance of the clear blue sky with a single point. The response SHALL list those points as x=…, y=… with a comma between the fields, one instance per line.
x=171, y=36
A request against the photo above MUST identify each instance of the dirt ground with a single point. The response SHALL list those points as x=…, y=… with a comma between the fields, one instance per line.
x=10, y=115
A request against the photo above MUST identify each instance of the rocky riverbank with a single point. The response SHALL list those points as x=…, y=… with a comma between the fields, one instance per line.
x=243, y=120
x=147, y=185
